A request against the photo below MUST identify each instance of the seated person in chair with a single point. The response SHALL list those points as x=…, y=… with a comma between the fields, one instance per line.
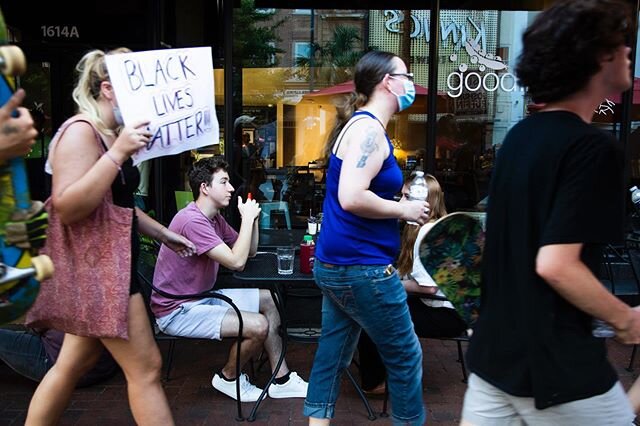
x=217, y=243
x=31, y=353
x=431, y=318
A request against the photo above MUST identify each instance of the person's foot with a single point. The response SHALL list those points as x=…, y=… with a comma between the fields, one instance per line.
x=248, y=392
x=295, y=387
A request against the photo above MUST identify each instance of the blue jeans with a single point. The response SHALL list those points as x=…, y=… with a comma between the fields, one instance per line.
x=370, y=298
x=24, y=353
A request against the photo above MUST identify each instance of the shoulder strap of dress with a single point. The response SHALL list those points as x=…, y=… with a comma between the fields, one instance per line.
x=101, y=145
x=75, y=119
x=80, y=119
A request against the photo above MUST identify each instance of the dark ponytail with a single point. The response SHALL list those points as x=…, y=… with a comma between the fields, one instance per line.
x=369, y=71
x=345, y=110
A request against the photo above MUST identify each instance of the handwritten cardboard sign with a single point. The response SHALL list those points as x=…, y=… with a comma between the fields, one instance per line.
x=173, y=89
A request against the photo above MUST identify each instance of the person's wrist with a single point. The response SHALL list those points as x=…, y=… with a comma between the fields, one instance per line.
x=401, y=212
x=248, y=219
x=625, y=321
x=161, y=234
x=116, y=156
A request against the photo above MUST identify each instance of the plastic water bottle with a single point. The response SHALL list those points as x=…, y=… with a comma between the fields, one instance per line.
x=635, y=216
x=418, y=190
x=635, y=197
x=601, y=329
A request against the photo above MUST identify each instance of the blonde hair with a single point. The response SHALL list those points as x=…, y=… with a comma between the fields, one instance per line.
x=92, y=71
x=410, y=233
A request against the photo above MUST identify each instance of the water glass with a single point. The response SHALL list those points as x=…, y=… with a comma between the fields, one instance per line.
x=285, y=260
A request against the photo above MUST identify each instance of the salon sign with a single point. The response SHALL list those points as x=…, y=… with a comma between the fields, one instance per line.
x=171, y=88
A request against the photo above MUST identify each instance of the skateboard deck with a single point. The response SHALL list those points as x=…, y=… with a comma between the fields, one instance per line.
x=451, y=252
x=18, y=269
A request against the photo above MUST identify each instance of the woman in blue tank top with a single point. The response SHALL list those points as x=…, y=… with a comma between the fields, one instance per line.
x=359, y=242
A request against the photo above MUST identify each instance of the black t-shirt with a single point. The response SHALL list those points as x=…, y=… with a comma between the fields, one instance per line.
x=557, y=180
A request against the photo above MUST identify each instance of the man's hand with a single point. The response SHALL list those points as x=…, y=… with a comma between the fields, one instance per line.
x=631, y=333
x=249, y=210
x=17, y=134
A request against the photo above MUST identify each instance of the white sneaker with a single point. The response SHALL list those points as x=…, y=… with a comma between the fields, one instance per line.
x=248, y=392
x=294, y=388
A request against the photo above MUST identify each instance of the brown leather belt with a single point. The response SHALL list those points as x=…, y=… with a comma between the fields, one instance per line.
x=390, y=269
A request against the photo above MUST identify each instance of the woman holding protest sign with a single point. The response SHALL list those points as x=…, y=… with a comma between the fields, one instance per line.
x=93, y=177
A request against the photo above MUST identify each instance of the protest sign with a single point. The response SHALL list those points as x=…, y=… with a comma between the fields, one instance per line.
x=171, y=88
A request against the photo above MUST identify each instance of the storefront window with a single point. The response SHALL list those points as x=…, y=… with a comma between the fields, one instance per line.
x=288, y=104
x=282, y=128
x=634, y=137
x=37, y=84
x=478, y=54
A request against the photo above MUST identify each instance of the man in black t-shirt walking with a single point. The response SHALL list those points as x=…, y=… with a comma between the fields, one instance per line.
x=556, y=197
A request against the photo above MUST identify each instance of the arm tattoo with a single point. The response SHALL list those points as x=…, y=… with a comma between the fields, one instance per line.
x=367, y=147
x=8, y=130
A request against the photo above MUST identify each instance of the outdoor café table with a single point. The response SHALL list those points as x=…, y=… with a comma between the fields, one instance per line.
x=273, y=238
x=263, y=270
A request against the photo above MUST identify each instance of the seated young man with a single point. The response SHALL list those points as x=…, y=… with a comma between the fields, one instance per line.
x=217, y=243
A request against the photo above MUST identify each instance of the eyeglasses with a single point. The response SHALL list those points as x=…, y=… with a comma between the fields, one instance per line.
x=408, y=75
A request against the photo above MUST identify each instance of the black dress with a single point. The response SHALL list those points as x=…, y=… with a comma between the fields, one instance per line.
x=122, y=189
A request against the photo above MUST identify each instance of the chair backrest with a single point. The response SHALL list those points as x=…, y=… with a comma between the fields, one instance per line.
x=267, y=209
x=183, y=198
x=632, y=246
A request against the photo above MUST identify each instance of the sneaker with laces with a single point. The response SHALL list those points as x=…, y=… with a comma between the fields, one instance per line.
x=295, y=387
x=248, y=392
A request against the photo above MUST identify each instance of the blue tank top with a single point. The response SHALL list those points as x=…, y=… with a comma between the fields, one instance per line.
x=347, y=239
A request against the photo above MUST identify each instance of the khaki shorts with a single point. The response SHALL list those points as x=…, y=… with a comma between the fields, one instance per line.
x=484, y=404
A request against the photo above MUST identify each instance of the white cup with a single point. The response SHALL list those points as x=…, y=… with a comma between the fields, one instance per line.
x=312, y=226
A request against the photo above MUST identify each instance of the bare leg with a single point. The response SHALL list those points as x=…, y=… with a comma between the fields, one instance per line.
x=319, y=422
x=77, y=356
x=634, y=395
x=254, y=333
x=141, y=363
x=273, y=343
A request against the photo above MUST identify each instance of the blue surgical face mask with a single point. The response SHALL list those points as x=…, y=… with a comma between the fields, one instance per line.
x=405, y=101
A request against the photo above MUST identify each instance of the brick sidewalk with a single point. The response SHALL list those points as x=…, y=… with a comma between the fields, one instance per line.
x=195, y=402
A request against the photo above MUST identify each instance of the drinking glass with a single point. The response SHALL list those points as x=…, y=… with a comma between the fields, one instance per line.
x=285, y=260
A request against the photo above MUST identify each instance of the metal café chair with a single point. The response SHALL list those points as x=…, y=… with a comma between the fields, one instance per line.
x=263, y=268
x=632, y=258
x=145, y=268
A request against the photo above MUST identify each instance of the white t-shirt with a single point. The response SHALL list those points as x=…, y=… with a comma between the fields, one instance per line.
x=421, y=275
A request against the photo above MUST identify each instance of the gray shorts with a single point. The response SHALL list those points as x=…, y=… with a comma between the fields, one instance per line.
x=484, y=404
x=203, y=318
